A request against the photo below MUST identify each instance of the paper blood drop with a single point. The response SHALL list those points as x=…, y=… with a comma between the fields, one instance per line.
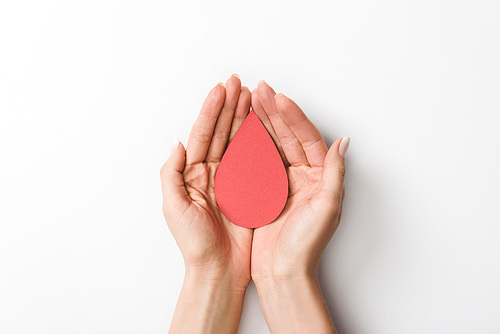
x=251, y=184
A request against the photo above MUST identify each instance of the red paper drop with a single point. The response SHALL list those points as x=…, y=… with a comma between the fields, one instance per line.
x=251, y=184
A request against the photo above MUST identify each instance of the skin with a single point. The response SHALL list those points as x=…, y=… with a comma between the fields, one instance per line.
x=282, y=258
x=216, y=252
x=286, y=253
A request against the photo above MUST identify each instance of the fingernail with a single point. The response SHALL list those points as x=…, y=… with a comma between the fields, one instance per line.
x=174, y=146
x=236, y=75
x=261, y=82
x=276, y=96
x=344, y=146
x=222, y=84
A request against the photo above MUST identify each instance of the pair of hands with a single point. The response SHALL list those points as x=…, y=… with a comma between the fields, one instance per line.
x=221, y=255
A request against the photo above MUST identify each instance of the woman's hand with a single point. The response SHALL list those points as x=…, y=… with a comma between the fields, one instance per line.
x=216, y=252
x=286, y=253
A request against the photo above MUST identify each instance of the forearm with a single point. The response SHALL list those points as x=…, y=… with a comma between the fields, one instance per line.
x=208, y=303
x=294, y=305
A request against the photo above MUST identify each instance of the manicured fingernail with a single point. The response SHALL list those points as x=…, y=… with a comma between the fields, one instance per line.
x=344, y=146
x=279, y=94
x=222, y=84
x=261, y=82
x=174, y=146
x=236, y=75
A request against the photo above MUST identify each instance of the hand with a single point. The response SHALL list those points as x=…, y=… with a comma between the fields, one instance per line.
x=286, y=253
x=216, y=252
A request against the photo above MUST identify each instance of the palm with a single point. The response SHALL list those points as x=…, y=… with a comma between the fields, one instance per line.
x=219, y=239
x=304, y=222
x=204, y=235
x=276, y=242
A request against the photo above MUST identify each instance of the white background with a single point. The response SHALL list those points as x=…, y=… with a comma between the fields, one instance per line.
x=93, y=93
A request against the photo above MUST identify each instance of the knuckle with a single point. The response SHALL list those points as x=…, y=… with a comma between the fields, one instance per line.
x=310, y=143
x=220, y=135
x=287, y=139
x=202, y=137
x=228, y=108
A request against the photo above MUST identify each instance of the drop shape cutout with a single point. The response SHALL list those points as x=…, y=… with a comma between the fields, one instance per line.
x=251, y=184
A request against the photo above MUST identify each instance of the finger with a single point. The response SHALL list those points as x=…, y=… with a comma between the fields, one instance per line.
x=261, y=114
x=291, y=145
x=242, y=109
x=308, y=135
x=341, y=204
x=223, y=126
x=175, y=196
x=203, y=129
x=332, y=181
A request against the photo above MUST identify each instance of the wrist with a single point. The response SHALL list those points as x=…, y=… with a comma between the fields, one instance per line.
x=294, y=304
x=215, y=277
x=279, y=273
x=270, y=284
x=211, y=301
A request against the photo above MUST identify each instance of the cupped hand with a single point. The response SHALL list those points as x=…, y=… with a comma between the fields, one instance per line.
x=292, y=245
x=208, y=241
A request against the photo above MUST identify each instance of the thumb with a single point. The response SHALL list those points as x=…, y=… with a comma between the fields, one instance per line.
x=172, y=179
x=332, y=182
